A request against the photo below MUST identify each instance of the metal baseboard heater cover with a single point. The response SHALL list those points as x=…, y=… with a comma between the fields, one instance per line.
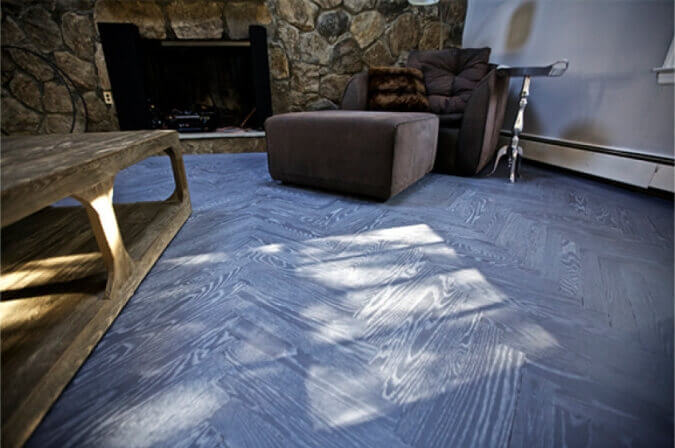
x=640, y=170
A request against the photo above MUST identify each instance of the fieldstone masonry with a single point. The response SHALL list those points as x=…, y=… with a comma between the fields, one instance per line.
x=314, y=47
x=34, y=98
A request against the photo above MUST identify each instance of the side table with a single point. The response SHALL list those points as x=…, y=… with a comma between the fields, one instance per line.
x=514, y=151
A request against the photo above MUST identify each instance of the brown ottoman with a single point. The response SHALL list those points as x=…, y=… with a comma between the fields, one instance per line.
x=376, y=154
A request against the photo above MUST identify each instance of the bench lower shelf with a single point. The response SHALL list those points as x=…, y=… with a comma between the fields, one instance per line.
x=53, y=311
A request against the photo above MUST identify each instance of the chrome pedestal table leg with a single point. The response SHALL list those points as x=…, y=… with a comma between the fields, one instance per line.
x=515, y=152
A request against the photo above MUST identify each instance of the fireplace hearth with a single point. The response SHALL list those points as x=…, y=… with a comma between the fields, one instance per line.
x=187, y=85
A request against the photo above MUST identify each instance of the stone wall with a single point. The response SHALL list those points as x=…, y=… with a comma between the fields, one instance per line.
x=314, y=47
x=34, y=99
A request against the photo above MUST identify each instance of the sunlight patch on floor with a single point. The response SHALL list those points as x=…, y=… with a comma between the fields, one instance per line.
x=330, y=409
x=164, y=415
x=199, y=259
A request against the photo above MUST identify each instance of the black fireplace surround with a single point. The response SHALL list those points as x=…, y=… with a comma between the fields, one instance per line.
x=187, y=85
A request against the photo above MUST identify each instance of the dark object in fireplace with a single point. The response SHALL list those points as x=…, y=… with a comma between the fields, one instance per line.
x=191, y=121
x=199, y=119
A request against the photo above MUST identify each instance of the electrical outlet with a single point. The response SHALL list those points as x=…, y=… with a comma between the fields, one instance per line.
x=107, y=97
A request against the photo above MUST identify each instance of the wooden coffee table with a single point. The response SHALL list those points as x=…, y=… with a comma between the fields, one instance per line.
x=48, y=333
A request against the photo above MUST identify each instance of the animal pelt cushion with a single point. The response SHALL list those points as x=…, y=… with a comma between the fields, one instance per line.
x=397, y=89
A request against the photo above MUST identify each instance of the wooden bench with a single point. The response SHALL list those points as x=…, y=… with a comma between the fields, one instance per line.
x=38, y=171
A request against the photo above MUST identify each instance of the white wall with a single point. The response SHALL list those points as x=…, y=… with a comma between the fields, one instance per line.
x=609, y=95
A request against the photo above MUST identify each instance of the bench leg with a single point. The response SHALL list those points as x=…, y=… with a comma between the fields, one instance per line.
x=181, y=191
x=97, y=200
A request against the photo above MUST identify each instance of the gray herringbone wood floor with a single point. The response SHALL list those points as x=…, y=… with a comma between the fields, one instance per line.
x=464, y=312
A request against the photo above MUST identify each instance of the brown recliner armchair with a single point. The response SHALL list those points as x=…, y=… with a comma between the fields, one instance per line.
x=469, y=96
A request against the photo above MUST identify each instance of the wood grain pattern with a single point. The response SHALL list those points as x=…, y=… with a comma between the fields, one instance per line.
x=97, y=200
x=51, y=313
x=462, y=313
x=42, y=169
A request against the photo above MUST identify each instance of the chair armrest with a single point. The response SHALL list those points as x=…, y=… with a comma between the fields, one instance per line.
x=482, y=121
x=355, y=96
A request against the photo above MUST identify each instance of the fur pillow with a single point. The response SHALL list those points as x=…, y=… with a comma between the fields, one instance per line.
x=397, y=89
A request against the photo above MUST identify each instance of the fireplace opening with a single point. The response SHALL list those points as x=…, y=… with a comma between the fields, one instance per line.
x=213, y=86
x=199, y=88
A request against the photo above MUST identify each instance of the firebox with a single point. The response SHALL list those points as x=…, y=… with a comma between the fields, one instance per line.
x=187, y=85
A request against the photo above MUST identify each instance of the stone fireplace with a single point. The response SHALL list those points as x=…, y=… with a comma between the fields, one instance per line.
x=313, y=47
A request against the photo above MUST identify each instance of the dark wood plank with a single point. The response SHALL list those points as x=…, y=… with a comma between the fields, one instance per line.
x=40, y=170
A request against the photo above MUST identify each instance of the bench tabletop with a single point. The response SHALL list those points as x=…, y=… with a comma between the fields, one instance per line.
x=29, y=158
x=41, y=169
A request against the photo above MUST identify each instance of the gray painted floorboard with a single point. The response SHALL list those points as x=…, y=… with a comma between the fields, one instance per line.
x=462, y=313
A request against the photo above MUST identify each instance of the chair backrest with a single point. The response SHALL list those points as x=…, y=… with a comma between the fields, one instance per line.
x=450, y=75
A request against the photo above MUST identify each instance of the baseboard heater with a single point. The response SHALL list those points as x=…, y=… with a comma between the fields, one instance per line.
x=640, y=170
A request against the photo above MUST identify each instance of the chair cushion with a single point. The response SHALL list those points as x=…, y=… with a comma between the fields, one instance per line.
x=450, y=75
x=450, y=120
x=444, y=105
x=396, y=89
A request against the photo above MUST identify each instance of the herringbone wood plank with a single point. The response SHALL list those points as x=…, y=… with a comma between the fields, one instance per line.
x=464, y=312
